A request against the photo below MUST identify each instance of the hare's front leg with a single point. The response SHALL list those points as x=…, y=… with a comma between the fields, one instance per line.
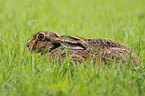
x=77, y=58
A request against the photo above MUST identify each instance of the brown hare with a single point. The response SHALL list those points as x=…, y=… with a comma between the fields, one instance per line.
x=100, y=50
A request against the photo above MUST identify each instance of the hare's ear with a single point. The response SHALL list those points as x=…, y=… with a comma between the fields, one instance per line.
x=71, y=42
x=56, y=34
x=75, y=38
x=52, y=34
x=73, y=45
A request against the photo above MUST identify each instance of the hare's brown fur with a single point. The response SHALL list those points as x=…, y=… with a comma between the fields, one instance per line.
x=101, y=49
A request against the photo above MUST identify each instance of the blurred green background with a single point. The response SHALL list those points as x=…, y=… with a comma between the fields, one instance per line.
x=23, y=73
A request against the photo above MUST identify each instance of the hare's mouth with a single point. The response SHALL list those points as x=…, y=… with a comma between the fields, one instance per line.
x=56, y=45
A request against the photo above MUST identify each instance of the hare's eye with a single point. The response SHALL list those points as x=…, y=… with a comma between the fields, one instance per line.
x=40, y=36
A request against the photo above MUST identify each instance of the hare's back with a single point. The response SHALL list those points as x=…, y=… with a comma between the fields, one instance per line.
x=105, y=43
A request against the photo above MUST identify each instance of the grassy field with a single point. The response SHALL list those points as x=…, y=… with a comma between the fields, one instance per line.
x=23, y=73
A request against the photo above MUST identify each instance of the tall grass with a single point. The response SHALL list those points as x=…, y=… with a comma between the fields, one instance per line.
x=23, y=73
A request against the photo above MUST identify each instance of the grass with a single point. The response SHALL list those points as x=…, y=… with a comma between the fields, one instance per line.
x=26, y=74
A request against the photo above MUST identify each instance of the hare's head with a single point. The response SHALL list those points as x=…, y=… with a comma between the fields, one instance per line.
x=49, y=40
x=43, y=40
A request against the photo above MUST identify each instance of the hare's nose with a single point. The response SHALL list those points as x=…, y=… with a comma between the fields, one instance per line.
x=27, y=45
